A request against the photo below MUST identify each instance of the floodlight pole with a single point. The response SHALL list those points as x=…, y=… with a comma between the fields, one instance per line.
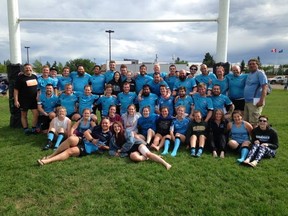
x=109, y=32
x=26, y=47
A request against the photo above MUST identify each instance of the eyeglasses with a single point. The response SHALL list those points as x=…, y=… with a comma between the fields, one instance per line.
x=194, y=69
x=262, y=120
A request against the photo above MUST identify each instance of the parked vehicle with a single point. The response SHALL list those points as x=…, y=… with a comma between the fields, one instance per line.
x=278, y=80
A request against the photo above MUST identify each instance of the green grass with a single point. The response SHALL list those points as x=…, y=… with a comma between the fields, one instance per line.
x=101, y=185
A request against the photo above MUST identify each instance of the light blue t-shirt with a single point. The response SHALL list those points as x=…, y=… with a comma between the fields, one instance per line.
x=203, y=104
x=236, y=86
x=253, y=85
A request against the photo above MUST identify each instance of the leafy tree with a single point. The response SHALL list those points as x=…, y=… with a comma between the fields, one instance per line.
x=87, y=64
x=178, y=61
x=208, y=60
x=242, y=65
x=3, y=68
x=37, y=65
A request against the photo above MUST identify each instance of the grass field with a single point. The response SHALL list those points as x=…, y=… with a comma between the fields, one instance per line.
x=100, y=185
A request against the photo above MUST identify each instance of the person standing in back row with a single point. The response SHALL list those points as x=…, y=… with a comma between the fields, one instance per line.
x=255, y=92
x=25, y=97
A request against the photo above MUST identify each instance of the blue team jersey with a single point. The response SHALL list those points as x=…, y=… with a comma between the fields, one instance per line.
x=98, y=83
x=48, y=103
x=69, y=102
x=208, y=79
x=187, y=101
x=125, y=100
x=86, y=101
x=219, y=102
x=42, y=82
x=170, y=80
x=144, y=123
x=203, y=104
x=180, y=126
x=253, y=86
x=62, y=81
x=223, y=85
x=150, y=101
x=79, y=82
x=140, y=81
x=236, y=86
x=106, y=102
x=108, y=76
x=188, y=83
x=155, y=87
x=167, y=102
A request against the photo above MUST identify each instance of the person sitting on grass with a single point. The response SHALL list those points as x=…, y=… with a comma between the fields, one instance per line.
x=96, y=139
x=136, y=149
x=163, y=123
x=240, y=132
x=60, y=127
x=178, y=131
x=85, y=123
x=265, y=142
x=218, y=133
x=197, y=133
x=146, y=125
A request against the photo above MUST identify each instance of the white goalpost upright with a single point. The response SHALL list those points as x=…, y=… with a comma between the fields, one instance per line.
x=15, y=37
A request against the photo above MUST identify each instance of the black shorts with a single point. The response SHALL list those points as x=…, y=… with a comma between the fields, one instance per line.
x=81, y=147
x=27, y=104
x=43, y=122
x=239, y=104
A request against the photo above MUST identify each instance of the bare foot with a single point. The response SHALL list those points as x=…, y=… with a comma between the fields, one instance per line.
x=253, y=163
x=222, y=154
x=247, y=161
x=168, y=166
x=214, y=153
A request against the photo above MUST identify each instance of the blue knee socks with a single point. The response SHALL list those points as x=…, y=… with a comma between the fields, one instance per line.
x=166, y=146
x=244, y=153
x=59, y=140
x=176, y=146
x=50, y=135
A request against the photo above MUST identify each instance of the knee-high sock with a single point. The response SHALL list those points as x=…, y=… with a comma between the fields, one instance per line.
x=176, y=146
x=59, y=139
x=50, y=135
x=244, y=153
x=166, y=146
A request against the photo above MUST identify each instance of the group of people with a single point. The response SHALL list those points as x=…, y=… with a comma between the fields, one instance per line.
x=143, y=112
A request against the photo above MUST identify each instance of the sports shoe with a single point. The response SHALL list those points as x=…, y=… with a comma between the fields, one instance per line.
x=199, y=153
x=48, y=145
x=193, y=152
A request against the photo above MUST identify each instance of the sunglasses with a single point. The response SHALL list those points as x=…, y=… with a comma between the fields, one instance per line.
x=194, y=69
x=261, y=120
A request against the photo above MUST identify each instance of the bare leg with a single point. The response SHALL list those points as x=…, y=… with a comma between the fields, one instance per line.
x=35, y=115
x=137, y=157
x=150, y=135
x=73, y=151
x=24, y=119
x=72, y=141
x=158, y=159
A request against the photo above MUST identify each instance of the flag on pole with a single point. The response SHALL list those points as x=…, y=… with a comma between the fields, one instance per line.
x=274, y=50
x=281, y=51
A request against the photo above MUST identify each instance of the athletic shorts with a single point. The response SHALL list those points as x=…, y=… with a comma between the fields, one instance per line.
x=81, y=147
x=28, y=104
x=43, y=122
x=239, y=104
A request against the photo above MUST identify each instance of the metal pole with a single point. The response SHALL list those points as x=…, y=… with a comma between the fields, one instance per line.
x=14, y=32
x=222, y=35
x=109, y=32
x=26, y=47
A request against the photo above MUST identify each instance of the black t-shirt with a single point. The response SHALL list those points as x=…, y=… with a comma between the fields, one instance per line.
x=27, y=87
x=104, y=137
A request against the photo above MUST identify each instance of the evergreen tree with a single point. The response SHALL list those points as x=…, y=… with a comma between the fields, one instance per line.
x=208, y=60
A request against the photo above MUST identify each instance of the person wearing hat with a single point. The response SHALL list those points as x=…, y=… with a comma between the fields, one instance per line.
x=53, y=75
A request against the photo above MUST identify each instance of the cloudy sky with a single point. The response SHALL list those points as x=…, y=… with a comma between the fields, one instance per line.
x=255, y=27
